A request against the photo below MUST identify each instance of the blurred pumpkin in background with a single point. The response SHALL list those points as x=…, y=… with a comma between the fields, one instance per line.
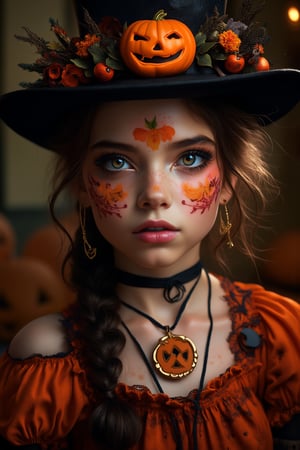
x=29, y=288
x=7, y=239
x=50, y=245
x=282, y=260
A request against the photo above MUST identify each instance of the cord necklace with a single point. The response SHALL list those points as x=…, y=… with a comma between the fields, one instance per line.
x=174, y=356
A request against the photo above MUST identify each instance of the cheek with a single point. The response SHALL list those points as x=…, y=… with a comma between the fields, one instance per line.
x=107, y=199
x=200, y=196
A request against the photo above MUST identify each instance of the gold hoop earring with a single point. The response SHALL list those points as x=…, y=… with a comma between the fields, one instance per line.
x=225, y=227
x=88, y=249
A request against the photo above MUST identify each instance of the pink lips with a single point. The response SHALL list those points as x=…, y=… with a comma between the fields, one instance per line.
x=156, y=231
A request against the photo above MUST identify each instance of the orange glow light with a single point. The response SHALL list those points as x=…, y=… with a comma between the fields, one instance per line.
x=293, y=14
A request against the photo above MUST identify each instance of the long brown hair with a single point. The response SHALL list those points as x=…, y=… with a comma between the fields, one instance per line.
x=241, y=144
x=243, y=148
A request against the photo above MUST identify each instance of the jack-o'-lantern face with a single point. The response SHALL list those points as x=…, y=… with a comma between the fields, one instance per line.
x=175, y=356
x=50, y=245
x=28, y=289
x=152, y=48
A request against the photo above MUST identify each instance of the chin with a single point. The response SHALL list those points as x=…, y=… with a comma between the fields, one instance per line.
x=162, y=261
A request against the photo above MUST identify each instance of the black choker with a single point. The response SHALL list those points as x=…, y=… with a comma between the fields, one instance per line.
x=173, y=287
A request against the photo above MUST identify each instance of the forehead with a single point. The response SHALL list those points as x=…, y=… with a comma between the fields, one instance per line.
x=117, y=118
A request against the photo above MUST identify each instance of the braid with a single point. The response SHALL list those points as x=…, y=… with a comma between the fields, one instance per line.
x=114, y=423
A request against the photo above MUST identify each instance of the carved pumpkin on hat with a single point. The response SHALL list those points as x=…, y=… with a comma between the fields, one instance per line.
x=282, y=260
x=28, y=289
x=158, y=47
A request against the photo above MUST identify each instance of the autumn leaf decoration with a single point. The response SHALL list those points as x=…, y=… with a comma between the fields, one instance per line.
x=220, y=36
x=153, y=135
x=96, y=58
x=70, y=61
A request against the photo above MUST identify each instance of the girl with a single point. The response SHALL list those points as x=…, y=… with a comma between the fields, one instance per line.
x=157, y=353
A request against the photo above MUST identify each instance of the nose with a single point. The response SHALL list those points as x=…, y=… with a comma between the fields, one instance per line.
x=157, y=47
x=155, y=193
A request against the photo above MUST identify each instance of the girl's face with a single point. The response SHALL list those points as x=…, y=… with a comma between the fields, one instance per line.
x=152, y=179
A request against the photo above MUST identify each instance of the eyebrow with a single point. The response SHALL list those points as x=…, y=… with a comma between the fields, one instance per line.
x=105, y=144
x=202, y=139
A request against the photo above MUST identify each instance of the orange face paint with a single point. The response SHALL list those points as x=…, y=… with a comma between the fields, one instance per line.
x=202, y=196
x=153, y=135
x=156, y=188
x=107, y=198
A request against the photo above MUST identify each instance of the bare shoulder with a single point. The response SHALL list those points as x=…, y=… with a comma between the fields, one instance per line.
x=43, y=336
x=219, y=305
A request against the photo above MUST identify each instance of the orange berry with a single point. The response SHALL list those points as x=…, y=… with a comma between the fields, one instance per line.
x=262, y=64
x=234, y=63
x=103, y=72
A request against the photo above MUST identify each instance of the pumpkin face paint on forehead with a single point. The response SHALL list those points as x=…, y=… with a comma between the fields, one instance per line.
x=107, y=198
x=152, y=134
x=201, y=196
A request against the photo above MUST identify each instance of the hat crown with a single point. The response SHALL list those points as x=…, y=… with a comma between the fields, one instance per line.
x=190, y=12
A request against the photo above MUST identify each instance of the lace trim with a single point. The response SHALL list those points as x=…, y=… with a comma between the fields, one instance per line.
x=237, y=374
x=242, y=316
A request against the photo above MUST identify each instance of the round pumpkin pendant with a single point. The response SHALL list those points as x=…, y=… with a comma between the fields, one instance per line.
x=158, y=47
x=175, y=356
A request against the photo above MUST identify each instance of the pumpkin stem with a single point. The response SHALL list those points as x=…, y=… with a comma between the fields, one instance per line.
x=160, y=15
x=151, y=124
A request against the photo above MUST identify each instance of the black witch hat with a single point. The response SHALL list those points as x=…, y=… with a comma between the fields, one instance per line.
x=141, y=49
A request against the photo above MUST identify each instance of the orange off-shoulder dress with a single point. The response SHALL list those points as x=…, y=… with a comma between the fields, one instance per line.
x=49, y=400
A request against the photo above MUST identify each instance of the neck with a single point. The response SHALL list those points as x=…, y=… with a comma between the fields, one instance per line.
x=151, y=302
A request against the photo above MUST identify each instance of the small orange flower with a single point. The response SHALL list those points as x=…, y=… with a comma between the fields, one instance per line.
x=230, y=41
x=83, y=46
x=53, y=72
x=153, y=135
x=72, y=76
x=259, y=48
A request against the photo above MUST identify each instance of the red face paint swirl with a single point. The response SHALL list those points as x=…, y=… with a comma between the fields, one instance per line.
x=107, y=198
x=202, y=196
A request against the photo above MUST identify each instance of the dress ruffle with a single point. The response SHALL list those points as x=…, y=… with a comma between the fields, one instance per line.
x=47, y=400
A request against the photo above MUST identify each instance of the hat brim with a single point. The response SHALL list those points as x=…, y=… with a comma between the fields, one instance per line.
x=35, y=113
